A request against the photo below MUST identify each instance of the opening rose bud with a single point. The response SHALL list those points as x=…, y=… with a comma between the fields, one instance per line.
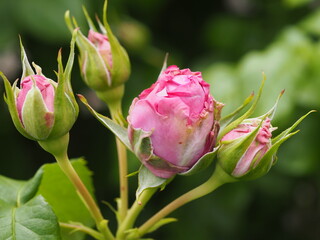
x=35, y=105
x=177, y=112
x=243, y=148
x=101, y=42
x=104, y=63
x=42, y=109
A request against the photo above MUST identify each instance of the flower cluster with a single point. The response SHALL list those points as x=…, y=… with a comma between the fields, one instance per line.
x=175, y=127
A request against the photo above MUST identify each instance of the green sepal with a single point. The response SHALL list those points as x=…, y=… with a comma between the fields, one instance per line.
x=247, y=114
x=71, y=23
x=227, y=119
x=94, y=69
x=66, y=108
x=146, y=179
x=89, y=20
x=143, y=149
x=290, y=129
x=35, y=115
x=116, y=129
x=231, y=151
x=204, y=162
x=164, y=65
x=26, y=67
x=269, y=158
x=121, y=64
x=141, y=143
x=267, y=161
x=270, y=114
x=10, y=100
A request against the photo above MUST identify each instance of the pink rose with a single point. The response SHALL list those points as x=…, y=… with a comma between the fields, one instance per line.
x=257, y=149
x=101, y=42
x=178, y=113
x=104, y=63
x=42, y=109
x=43, y=85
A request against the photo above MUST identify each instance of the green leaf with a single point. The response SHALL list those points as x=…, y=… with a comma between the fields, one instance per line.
x=117, y=130
x=24, y=215
x=148, y=180
x=61, y=195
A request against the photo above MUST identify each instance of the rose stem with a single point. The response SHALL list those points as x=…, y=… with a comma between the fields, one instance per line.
x=116, y=114
x=218, y=178
x=134, y=212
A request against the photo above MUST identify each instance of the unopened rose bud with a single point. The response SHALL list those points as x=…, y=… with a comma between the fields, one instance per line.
x=35, y=105
x=104, y=63
x=41, y=108
x=249, y=151
x=243, y=148
x=178, y=114
x=101, y=42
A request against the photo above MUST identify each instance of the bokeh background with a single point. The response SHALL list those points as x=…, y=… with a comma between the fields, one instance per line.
x=231, y=42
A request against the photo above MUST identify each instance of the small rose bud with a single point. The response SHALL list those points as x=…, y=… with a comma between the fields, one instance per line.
x=248, y=151
x=243, y=148
x=104, y=63
x=42, y=109
x=101, y=42
x=35, y=105
x=178, y=114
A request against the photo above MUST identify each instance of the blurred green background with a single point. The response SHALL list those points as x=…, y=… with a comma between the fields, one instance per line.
x=231, y=42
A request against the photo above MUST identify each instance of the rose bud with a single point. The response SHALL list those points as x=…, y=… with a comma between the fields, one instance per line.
x=42, y=109
x=104, y=63
x=101, y=42
x=173, y=123
x=248, y=151
x=35, y=106
x=246, y=145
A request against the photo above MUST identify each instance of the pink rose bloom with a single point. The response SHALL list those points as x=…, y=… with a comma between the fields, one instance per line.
x=258, y=147
x=101, y=42
x=46, y=89
x=178, y=112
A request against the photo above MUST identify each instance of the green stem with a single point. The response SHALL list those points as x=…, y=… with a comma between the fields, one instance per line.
x=122, y=158
x=86, y=197
x=134, y=212
x=218, y=178
x=80, y=227
x=116, y=114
